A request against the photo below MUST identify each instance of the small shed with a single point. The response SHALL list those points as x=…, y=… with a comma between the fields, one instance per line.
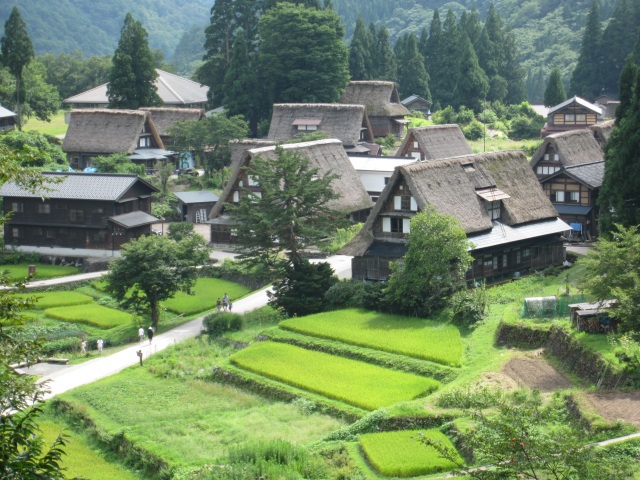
x=593, y=317
x=194, y=207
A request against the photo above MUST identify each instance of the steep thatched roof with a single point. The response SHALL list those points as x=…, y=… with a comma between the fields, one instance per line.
x=380, y=98
x=451, y=186
x=573, y=147
x=166, y=117
x=602, y=131
x=335, y=120
x=328, y=156
x=436, y=142
x=107, y=131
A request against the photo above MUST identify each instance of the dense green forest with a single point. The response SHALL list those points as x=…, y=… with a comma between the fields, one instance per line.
x=548, y=33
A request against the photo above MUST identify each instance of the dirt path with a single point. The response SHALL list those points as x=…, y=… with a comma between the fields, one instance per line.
x=617, y=405
x=535, y=373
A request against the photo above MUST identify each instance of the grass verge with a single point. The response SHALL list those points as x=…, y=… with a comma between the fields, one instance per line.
x=356, y=383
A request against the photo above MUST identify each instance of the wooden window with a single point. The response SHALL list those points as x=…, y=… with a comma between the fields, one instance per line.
x=99, y=236
x=488, y=261
x=505, y=260
x=574, y=197
x=144, y=142
x=581, y=118
x=386, y=224
x=44, y=208
x=557, y=197
x=397, y=225
x=405, y=202
x=406, y=225
x=493, y=208
x=17, y=207
x=397, y=202
x=51, y=233
x=569, y=117
x=526, y=252
x=15, y=232
x=546, y=156
x=76, y=216
x=496, y=262
x=518, y=257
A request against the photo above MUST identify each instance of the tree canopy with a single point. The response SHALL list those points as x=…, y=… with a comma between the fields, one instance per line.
x=132, y=76
x=554, y=94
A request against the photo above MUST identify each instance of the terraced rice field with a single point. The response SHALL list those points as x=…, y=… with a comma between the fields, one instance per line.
x=356, y=383
x=91, y=314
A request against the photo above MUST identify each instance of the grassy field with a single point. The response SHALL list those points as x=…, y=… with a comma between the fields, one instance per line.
x=80, y=460
x=400, y=454
x=91, y=314
x=414, y=337
x=55, y=127
x=43, y=271
x=499, y=144
x=57, y=299
x=205, y=293
x=356, y=383
x=191, y=422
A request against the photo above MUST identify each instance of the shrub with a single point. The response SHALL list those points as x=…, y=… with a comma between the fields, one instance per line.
x=340, y=238
x=474, y=130
x=464, y=116
x=473, y=396
x=345, y=294
x=469, y=306
x=444, y=116
x=373, y=296
x=215, y=324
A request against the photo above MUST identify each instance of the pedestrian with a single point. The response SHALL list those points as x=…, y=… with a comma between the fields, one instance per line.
x=83, y=346
x=100, y=344
x=218, y=305
x=150, y=334
x=230, y=305
x=141, y=334
x=225, y=302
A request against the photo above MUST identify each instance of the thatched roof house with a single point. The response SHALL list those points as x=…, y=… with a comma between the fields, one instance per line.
x=328, y=156
x=348, y=123
x=434, y=142
x=102, y=132
x=602, y=132
x=495, y=197
x=166, y=117
x=382, y=101
x=565, y=149
x=173, y=89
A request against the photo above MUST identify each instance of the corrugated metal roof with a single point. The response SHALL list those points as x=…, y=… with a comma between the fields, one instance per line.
x=200, y=196
x=134, y=219
x=590, y=173
x=563, y=209
x=379, y=164
x=78, y=186
x=579, y=101
x=501, y=234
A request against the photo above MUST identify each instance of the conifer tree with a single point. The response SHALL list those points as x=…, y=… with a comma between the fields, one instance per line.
x=413, y=77
x=584, y=80
x=17, y=52
x=472, y=85
x=451, y=49
x=554, y=94
x=132, y=77
x=617, y=42
x=434, y=59
x=384, y=64
x=360, y=52
x=513, y=72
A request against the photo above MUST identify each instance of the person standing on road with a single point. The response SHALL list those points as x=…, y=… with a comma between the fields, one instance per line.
x=83, y=346
x=150, y=334
x=100, y=344
x=218, y=305
x=141, y=334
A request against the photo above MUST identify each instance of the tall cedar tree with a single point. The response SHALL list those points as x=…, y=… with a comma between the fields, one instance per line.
x=451, y=51
x=473, y=84
x=413, y=77
x=360, y=52
x=554, y=94
x=132, y=78
x=584, y=80
x=17, y=52
x=617, y=42
x=619, y=197
x=302, y=56
x=494, y=64
x=434, y=59
x=290, y=214
x=385, y=66
x=627, y=82
x=513, y=73
x=241, y=90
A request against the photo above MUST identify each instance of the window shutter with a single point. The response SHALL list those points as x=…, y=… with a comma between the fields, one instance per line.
x=405, y=225
x=414, y=205
x=397, y=202
x=386, y=224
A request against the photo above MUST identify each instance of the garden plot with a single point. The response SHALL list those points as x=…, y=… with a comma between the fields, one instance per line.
x=356, y=383
x=536, y=373
x=414, y=337
x=400, y=454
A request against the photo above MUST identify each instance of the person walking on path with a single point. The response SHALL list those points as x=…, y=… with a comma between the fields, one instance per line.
x=83, y=346
x=230, y=305
x=141, y=334
x=225, y=302
x=218, y=305
x=150, y=334
x=100, y=344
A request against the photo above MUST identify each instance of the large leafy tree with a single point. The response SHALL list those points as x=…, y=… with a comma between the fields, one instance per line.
x=584, y=80
x=433, y=268
x=302, y=55
x=17, y=52
x=613, y=271
x=153, y=268
x=554, y=94
x=132, y=77
x=619, y=197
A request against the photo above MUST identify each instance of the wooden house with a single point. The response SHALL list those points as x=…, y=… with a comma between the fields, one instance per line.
x=602, y=132
x=8, y=119
x=419, y=104
x=78, y=214
x=174, y=90
x=570, y=168
x=434, y=142
x=575, y=113
x=328, y=156
x=194, y=206
x=496, y=199
x=166, y=117
x=381, y=99
x=102, y=132
x=347, y=123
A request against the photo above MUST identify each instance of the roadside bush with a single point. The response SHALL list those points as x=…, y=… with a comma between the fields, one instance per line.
x=215, y=324
x=345, y=294
x=474, y=130
x=464, y=116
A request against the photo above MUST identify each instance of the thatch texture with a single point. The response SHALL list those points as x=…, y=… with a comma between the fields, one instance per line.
x=381, y=98
x=450, y=186
x=107, y=131
x=166, y=117
x=343, y=122
x=328, y=156
x=574, y=147
x=436, y=142
x=602, y=131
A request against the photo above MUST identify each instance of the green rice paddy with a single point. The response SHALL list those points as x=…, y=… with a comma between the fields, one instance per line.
x=414, y=337
x=356, y=383
x=57, y=299
x=91, y=314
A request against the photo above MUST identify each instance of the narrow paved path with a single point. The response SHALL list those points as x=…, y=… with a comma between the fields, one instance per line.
x=92, y=370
